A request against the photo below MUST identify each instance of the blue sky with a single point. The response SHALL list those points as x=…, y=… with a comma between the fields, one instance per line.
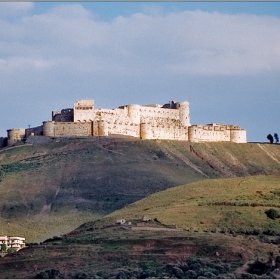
x=222, y=57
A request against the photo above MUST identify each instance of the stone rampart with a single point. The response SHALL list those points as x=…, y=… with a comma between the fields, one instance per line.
x=3, y=142
x=216, y=133
x=65, y=115
x=170, y=121
x=38, y=130
x=163, y=131
x=61, y=129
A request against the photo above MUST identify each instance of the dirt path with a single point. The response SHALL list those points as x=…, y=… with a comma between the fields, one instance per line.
x=269, y=154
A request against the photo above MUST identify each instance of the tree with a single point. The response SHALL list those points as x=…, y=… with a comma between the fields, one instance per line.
x=276, y=138
x=3, y=247
x=272, y=214
x=270, y=138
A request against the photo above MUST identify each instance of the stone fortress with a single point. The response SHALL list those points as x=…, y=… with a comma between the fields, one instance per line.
x=169, y=121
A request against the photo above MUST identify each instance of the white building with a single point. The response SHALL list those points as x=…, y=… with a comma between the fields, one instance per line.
x=12, y=242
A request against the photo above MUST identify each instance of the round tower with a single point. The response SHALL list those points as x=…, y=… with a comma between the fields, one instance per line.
x=102, y=128
x=145, y=131
x=192, y=136
x=134, y=113
x=184, y=112
x=15, y=134
x=48, y=128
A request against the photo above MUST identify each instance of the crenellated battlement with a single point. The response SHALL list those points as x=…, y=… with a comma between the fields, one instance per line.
x=169, y=121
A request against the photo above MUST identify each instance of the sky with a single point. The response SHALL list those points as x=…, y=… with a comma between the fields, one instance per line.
x=221, y=57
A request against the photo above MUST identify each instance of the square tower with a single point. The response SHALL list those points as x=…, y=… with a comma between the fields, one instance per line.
x=84, y=111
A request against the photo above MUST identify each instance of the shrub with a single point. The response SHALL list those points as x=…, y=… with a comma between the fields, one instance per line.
x=160, y=154
x=195, y=266
x=121, y=275
x=48, y=274
x=3, y=247
x=259, y=268
x=191, y=274
x=209, y=275
x=272, y=214
x=80, y=275
x=178, y=272
x=11, y=250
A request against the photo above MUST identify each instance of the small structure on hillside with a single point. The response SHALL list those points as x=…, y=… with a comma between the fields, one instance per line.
x=146, y=218
x=14, y=242
x=120, y=221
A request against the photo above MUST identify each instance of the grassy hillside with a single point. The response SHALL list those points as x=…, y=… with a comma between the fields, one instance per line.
x=215, y=205
x=117, y=253
x=50, y=189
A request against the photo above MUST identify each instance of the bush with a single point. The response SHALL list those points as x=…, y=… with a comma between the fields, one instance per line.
x=48, y=274
x=272, y=214
x=80, y=275
x=191, y=274
x=259, y=268
x=3, y=247
x=11, y=250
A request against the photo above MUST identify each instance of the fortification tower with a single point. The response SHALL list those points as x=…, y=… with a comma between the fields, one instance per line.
x=134, y=113
x=15, y=134
x=237, y=135
x=184, y=112
x=48, y=128
x=84, y=111
x=102, y=128
x=145, y=131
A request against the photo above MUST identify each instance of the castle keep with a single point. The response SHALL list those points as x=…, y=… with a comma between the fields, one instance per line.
x=169, y=121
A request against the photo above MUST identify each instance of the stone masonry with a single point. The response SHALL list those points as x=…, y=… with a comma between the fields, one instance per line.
x=170, y=121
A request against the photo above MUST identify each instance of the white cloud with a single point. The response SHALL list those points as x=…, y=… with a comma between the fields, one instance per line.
x=186, y=42
x=68, y=52
x=15, y=8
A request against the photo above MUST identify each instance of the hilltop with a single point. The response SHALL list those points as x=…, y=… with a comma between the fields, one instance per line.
x=50, y=188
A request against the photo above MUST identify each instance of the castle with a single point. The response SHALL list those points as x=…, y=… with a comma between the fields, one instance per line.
x=170, y=121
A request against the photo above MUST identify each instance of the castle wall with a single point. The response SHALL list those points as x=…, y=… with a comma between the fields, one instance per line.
x=124, y=128
x=3, y=142
x=61, y=129
x=65, y=115
x=159, y=114
x=72, y=129
x=217, y=133
x=118, y=121
x=170, y=121
x=112, y=116
x=38, y=130
x=148, y=131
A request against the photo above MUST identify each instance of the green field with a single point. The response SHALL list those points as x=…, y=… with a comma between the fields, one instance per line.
x=215, y=205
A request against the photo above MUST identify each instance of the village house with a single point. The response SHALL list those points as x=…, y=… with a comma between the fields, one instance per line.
x=15, y=242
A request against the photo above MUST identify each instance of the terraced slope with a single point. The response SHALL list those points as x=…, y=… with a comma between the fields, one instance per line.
x=52, y=188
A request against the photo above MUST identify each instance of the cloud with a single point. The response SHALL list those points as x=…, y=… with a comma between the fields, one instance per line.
x=185, y=42
x=15, y=8
x=67, y=53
